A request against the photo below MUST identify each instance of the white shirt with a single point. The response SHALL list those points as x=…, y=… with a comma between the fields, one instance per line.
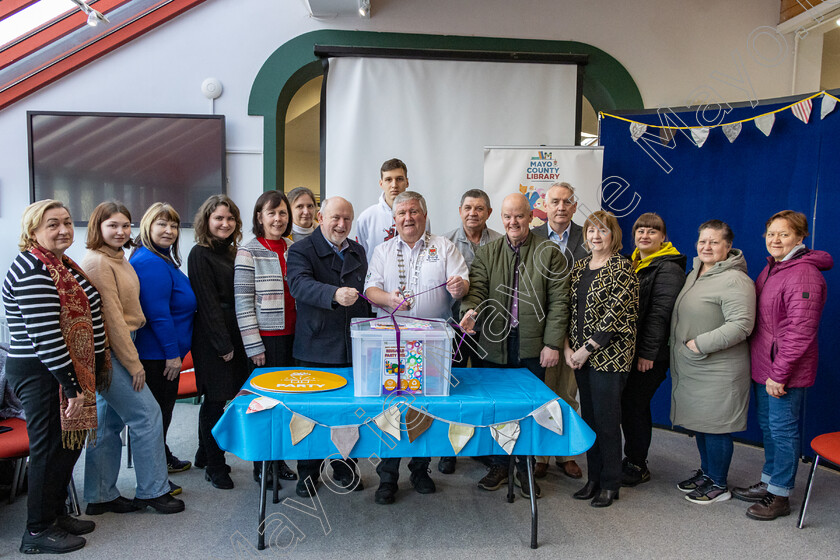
x=376, y=225
x=440, y=260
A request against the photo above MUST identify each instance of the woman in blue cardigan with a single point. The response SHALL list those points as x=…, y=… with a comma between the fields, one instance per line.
x=169, y=305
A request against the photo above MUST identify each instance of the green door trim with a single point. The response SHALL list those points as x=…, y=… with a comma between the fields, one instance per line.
x=606, y=83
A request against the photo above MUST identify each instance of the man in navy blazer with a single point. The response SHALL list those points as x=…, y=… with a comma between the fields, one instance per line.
x=326, y=274
x=560, y=206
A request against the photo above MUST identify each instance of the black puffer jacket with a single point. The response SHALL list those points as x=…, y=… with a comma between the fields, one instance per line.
x=660, y=283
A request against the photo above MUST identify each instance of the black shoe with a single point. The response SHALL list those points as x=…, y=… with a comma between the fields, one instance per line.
x=269, y=478
x=117, y=505
x=494, y=479
x=164, y=504
x=174, y=489
x=446, y=465
x=284, y=472
x=347, y=480
x=422, y=482
x=219, y=478
x=589, y=491
x=521, y=480
x=604, y=498
x=75, y=526
x=633, y=475
x=385, y=493
x=175, y=465
x=302, y=489
x=52, y=540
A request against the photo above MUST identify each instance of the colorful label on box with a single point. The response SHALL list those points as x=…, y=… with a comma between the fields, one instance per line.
x=411, y=377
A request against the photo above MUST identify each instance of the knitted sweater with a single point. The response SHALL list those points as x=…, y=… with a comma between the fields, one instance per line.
x=120, y=291
x=259, y=294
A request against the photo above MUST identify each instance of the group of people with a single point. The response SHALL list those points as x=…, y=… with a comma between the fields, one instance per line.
x=99, y=346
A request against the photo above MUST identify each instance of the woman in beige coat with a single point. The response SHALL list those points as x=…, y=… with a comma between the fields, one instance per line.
x=710, y=358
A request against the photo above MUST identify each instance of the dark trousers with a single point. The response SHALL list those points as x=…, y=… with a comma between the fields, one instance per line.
x=600, y=408
x=50, y=464
x=311, y=468
x=165, y=392
x=208, y=415
x=278, y=353
x=532, y=365
x=636, y=421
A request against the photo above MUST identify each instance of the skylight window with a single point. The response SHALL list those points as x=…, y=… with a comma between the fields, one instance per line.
x=31, y=18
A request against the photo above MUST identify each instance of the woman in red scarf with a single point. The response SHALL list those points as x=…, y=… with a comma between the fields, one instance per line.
x=58, y=346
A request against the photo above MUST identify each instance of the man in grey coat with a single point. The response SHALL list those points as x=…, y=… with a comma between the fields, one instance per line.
x=560, y=206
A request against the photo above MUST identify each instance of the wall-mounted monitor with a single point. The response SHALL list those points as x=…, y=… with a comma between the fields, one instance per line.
x=83, y=159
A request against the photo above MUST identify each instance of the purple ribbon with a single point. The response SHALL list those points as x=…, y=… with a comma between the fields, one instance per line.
x=393, y=315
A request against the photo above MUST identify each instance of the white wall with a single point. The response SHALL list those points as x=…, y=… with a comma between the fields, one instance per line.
x=672, y=50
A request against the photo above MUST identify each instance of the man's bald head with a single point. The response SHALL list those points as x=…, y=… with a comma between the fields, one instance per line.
x=516, y=217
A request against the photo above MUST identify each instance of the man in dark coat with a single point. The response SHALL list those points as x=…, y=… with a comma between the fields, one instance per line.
x=326, y=274
x=560, y=206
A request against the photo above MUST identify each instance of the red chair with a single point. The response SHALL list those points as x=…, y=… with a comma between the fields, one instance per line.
x=14, y=445
x=827, y=447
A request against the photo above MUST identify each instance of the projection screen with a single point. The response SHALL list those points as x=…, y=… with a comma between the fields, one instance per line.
x=437, y=116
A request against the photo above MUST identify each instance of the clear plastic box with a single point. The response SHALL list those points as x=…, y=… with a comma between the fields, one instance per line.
x=426, y=357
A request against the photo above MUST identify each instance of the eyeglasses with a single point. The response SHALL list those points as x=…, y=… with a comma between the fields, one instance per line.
x=783, y=235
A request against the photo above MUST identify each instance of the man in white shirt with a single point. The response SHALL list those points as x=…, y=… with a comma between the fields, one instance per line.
x=560, y=206
x=376, y=224
x=422, y=274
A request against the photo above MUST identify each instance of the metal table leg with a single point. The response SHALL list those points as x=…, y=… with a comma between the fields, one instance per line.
x=511, y=470
x=276, y=481
x=533, y=492
x=261, y=526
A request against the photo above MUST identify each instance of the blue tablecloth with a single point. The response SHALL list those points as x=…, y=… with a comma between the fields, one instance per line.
x=481, y=397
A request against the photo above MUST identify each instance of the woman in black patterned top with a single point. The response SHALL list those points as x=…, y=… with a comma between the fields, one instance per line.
x=604, y=303
x=57, y=359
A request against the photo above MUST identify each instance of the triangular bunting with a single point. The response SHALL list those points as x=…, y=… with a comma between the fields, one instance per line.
x=731, y=131
x=416, y=423
x=827, y=105
x=802, y=110
x=699, y=135
x=344, y=438
x=459, y=435
x=765, y=123
x=261, y=403
x=300, y=427
x=506, y=435
x=636, y=130
x=550, y=417
x=666, y=135
x=389, y=422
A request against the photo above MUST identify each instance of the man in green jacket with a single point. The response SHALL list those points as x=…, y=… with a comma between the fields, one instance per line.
x=518, y=303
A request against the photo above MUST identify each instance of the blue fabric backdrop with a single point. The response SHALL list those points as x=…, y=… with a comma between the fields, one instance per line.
x=742, y=183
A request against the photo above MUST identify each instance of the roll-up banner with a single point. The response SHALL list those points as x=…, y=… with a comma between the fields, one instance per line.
x=532, y=170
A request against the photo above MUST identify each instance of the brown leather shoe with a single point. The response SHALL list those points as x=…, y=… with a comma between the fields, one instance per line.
x=570, y=469
x=769, y=508
x=754, y=493
x=540, y=470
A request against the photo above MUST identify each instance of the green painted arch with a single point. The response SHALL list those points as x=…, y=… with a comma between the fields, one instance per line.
x=607, y=84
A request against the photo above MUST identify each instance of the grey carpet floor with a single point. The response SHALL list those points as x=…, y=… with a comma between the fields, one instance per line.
x=459, y=521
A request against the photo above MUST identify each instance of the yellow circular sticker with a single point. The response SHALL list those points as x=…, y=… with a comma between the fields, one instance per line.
x=298, y=381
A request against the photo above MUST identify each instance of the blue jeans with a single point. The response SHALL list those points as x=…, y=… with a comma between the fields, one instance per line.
x=779, y=421
x=715, y=455
x=116, y=407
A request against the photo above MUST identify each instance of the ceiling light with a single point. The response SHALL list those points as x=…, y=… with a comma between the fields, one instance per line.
x=837, y=21
x=364, y=8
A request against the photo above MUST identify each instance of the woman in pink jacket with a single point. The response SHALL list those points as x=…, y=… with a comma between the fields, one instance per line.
x=790, y=294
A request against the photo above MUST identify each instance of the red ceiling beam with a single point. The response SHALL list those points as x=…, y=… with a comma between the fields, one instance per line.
x=60, y=28
x=11, y=7
x=91, y=52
